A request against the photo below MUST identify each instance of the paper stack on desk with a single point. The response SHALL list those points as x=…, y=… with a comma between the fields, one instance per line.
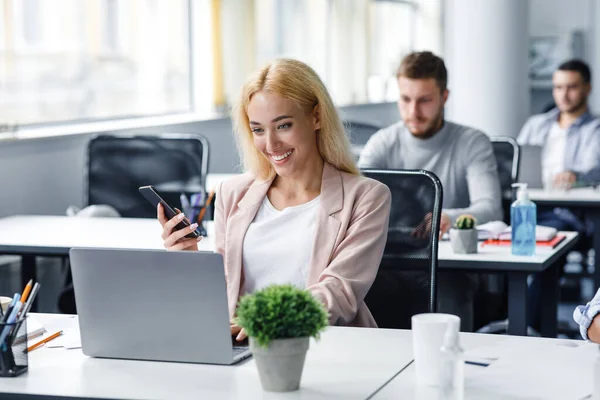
x=499, y=230
x=534, y=368
x=34, y=329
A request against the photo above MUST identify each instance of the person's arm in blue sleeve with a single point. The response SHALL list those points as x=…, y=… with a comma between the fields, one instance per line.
x=525, y=134
x=585, y=316
x=590, y=172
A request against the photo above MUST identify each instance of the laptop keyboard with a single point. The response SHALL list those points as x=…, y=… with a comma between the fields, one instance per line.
x=237, y=350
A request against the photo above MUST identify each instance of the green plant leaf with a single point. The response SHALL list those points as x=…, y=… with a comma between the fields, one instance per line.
x=281, y=312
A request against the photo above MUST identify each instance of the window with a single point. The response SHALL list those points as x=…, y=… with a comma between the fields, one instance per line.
x=66, y=60
x=354, y=45
x=78, y=60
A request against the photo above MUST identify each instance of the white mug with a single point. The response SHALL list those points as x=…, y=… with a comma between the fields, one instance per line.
x=5, y=302
x=428, y=335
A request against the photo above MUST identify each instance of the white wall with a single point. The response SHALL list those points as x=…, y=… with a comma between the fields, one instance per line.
x=551, y=17
x=560, y=18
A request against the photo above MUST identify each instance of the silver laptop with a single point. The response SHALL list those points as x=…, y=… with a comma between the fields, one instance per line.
x=530, y=166
x=153, y=305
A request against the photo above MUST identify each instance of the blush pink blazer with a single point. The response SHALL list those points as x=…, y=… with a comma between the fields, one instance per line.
x=350, y=236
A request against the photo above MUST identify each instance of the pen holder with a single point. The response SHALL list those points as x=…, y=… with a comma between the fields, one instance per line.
x=13, y=349
x=199, y=216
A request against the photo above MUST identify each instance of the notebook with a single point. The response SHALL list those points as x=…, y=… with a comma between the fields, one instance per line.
x=499, y=230
x=543, y=243
x=34, y=329
x=542, y=233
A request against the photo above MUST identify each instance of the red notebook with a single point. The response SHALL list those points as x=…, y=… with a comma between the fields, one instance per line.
x=552, y=243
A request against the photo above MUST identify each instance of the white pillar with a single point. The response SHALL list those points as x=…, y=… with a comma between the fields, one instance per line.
x=486, y=53
x=594, y=56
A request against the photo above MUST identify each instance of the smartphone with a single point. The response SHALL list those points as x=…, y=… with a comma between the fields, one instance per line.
x=154, y=198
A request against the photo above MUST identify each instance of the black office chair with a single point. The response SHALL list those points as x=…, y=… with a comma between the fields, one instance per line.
x=118, y=165
x=508, y=156
x=360, y=132
x=406, y=283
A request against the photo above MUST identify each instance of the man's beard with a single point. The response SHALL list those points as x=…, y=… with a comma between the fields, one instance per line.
x=577, y=107
x=433, y=128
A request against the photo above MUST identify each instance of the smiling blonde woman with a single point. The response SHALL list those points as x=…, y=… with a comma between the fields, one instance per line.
x=302, y=213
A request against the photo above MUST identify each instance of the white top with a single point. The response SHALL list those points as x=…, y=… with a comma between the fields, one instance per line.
x=278, y=245
x=553, y=154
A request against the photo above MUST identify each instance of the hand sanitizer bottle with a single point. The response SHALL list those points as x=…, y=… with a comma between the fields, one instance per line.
x=452, y=385
x=523, y=221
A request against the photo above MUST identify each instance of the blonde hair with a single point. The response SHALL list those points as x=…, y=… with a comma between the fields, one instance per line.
x=296, y=81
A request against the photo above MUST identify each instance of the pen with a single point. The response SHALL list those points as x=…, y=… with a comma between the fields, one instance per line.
x=43, y=341
x=31, y=299
x=185, y=204
x=12, y=304
x=208, y=200
x=11, y=319
x=479, y=364
x=26, y=291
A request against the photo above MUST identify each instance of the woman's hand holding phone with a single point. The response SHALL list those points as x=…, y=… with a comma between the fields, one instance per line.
x=175, y=239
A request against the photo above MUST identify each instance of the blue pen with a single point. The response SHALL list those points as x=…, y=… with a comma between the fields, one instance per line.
x=185, y=204
x=11, y=320
x=479, y=364
x=12, y=304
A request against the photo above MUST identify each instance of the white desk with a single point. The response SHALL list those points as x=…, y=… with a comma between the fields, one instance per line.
x=404, y=386
x=568, y=198
x=31, y=236
x=586, y=199
x=347, y=363
x=500, y=259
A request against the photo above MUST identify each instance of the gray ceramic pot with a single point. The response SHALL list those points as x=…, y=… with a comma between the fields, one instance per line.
x=463, y=241
x=280, y=364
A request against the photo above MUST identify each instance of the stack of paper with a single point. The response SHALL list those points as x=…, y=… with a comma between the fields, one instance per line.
x=542, y=233
x=499, y=230
x=34, y=329
x=491, y=230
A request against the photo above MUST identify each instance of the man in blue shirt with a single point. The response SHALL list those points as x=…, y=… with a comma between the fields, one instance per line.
x=570, y=137
x=586, y=318
x=570, y=140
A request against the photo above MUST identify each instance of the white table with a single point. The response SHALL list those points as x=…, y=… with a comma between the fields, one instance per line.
x=517, y=268
x=348, y=363
x=31, y=236
x=586, y=199
x=404, y=385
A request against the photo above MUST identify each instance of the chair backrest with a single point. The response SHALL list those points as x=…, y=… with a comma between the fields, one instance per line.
x=507, y=155
x=412, y=244
x=360, y=132
x=118, y=165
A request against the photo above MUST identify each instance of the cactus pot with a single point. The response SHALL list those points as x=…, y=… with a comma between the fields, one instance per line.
x=463, y=241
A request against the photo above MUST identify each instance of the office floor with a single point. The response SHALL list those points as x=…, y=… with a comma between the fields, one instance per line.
x=50, y=275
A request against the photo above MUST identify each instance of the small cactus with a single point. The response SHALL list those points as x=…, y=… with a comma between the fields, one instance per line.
x=465, y=222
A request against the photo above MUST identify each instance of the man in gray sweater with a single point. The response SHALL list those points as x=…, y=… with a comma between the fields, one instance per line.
x=461, y=157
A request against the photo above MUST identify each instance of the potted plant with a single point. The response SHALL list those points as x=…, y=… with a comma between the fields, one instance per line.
x=463, y=235
x=279, y=321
